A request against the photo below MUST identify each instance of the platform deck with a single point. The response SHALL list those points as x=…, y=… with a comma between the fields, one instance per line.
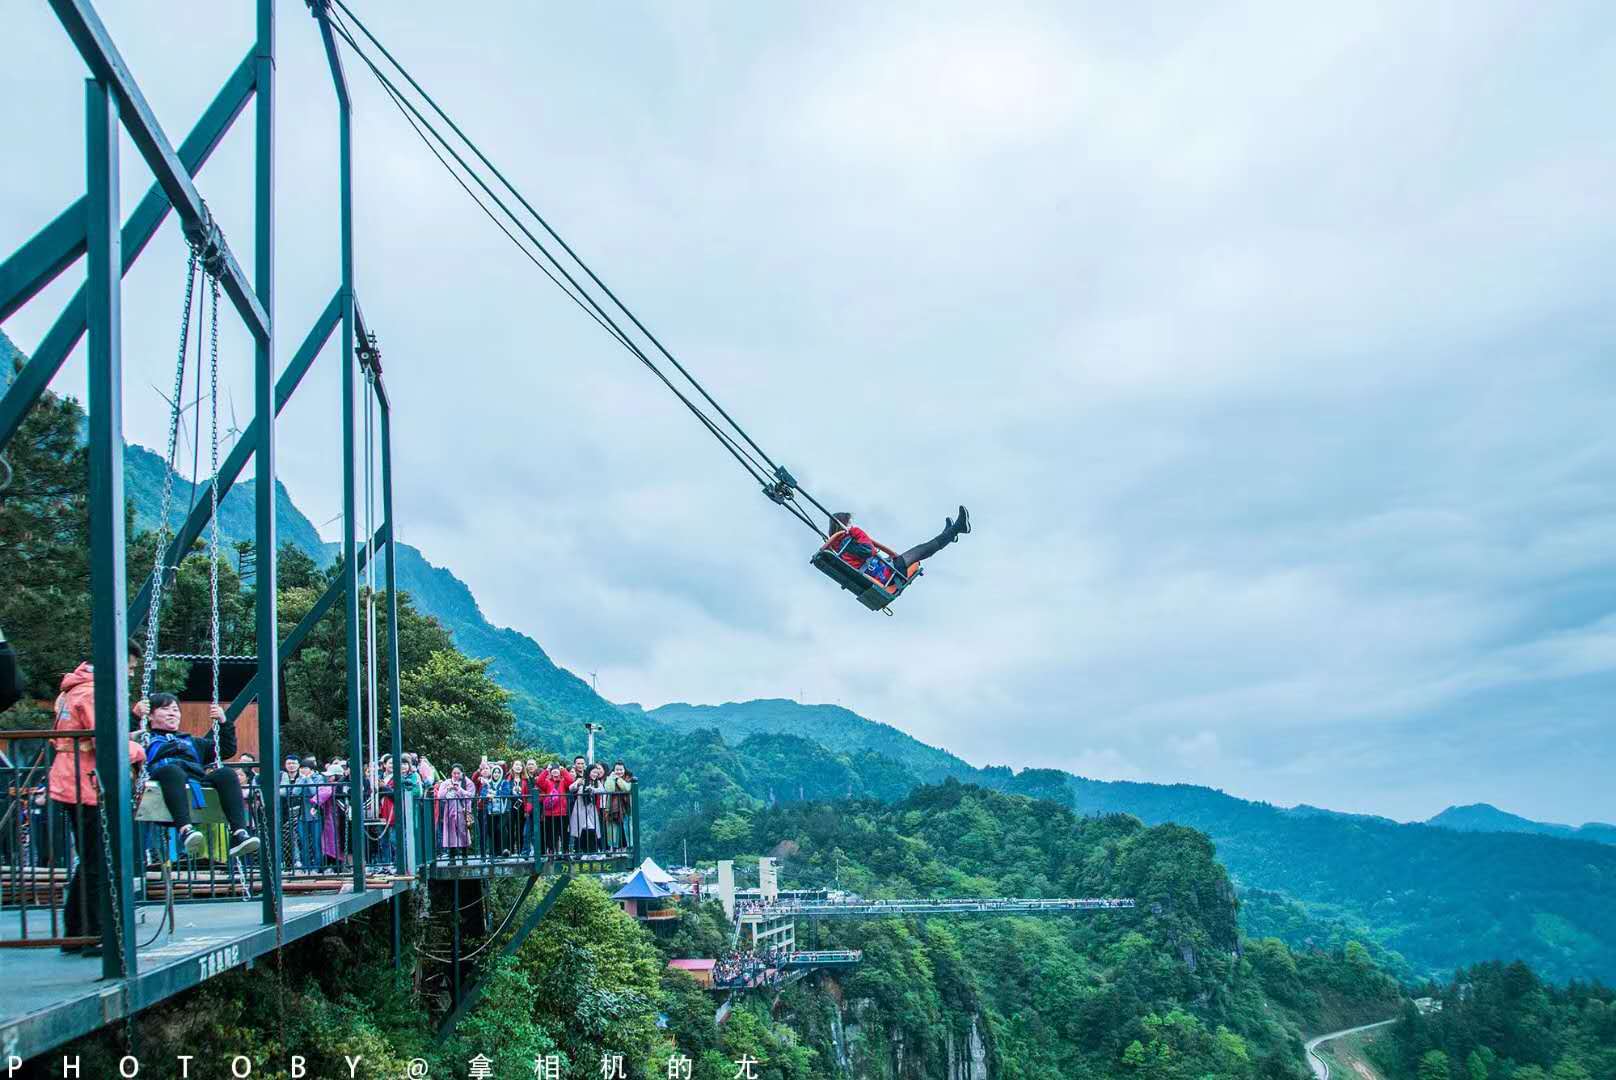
x=47, y=996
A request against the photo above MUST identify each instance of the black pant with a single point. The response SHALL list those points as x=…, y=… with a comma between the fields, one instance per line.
x=82, y=916
x=177, y=794
x=924, y=551
x=553, y=831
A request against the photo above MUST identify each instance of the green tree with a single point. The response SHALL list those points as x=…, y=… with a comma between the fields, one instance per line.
x=502, y=1025
x=596, y=977
x=44, y=533
x=1434, y=1065
x=452, y=706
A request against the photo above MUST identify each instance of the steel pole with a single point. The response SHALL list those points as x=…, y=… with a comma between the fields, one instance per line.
x=109, y=634
x=265, y=544
x=350, y=373
x=401, y=809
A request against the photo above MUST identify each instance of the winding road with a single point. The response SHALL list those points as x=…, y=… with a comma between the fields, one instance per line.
x=1321, y=1071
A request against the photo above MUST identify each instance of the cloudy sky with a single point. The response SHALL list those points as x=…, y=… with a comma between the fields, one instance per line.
x=1270, y=346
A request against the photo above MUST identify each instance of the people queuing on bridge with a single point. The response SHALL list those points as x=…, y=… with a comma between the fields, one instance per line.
x=751, y=967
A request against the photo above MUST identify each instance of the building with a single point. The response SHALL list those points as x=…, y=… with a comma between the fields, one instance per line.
x=647, y=901
x=700, y=970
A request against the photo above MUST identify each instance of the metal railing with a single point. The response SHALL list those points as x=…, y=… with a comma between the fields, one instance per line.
x=52, y=872
x=531, y=828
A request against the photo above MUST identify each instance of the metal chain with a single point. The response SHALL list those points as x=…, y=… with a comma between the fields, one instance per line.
x=213, y=496
x=149, y=667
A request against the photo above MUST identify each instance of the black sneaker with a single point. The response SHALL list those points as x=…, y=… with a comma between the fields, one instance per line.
x=964, y=520
x=193, y=841
x=242, y=842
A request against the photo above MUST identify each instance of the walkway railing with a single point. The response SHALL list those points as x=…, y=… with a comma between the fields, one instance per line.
x=459, y=830
x=753, y=910
x=46, y=842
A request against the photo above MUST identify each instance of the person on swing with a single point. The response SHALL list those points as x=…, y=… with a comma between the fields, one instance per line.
x=180, y=764
x=860, y=552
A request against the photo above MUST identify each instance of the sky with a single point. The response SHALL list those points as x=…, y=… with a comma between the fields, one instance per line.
x=1270, y=346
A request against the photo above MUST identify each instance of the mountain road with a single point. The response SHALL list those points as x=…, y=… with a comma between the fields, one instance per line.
x=1321, y=1071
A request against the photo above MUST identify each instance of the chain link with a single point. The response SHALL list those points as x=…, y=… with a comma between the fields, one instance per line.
x=149, y=667
x=213, y=496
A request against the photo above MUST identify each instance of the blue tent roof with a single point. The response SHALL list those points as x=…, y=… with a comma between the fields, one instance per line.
x=640, y=887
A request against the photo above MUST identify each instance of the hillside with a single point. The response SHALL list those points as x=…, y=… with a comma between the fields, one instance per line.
x=1484, y=817
x=1439, y=898
x=838, y=729
x=1166, y=990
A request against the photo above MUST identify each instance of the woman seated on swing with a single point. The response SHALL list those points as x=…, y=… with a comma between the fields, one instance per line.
x=860, y=552
x=178, y=763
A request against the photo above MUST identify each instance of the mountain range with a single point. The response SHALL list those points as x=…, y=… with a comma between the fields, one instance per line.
x=1473, y=883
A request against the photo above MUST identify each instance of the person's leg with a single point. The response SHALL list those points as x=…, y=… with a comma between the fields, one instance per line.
x=82, y=917
x=927, y=549
x=176, y=793
x=228, y=785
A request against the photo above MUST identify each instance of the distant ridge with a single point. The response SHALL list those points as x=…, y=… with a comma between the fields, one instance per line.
x=1439, y=897
x=1485, y=817
x=841, y=730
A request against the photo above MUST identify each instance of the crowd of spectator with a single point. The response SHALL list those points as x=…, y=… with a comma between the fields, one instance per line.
x=751, y=968
x=520, y=808
x=513, y=808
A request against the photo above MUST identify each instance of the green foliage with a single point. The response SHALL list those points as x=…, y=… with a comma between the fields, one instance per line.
x=595, y=977
x=1045, y=997
x=1502, y=1021
x=44, y=532
x=502, y=1026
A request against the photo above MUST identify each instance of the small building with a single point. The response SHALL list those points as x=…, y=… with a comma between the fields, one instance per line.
x=700, y=970
x=647, y=901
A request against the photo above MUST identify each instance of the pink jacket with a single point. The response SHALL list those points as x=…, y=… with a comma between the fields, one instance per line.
x=554, y=795
x=72, y=775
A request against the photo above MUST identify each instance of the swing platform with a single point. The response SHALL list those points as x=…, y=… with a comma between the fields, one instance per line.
x=48, y=996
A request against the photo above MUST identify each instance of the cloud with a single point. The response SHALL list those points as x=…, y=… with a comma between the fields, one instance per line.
x=1267, y=346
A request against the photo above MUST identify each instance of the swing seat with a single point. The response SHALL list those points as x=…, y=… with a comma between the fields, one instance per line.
x=870, y=592
x=154, y=811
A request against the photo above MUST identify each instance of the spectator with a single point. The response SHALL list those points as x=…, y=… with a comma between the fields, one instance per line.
x=553, y=785
x=455, y=796
x=74, y=789
x=617, y=806
x=326, y=800
x=516, y=814
x=585, y=825
x=304, y=797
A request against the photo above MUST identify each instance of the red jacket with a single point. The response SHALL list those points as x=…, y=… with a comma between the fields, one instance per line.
x=553, y=795
x=72, y=774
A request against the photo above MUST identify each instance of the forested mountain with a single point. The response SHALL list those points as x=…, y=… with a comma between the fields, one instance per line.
x=1484, y=817
x=1439, y=898
x=838, y=729
x=1167, y=990
x=1501, y=1020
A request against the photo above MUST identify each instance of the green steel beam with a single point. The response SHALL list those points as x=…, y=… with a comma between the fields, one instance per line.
x=294, y=640
x=65, y=332
x=531, y=923
x=109, y=636
x=244, y=449
x=83, y=25
x=395, y=709
x=266, y=405
x=350, y=375
x=53, y=249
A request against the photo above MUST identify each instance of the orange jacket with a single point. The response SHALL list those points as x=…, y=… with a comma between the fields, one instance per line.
x=72, y=774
